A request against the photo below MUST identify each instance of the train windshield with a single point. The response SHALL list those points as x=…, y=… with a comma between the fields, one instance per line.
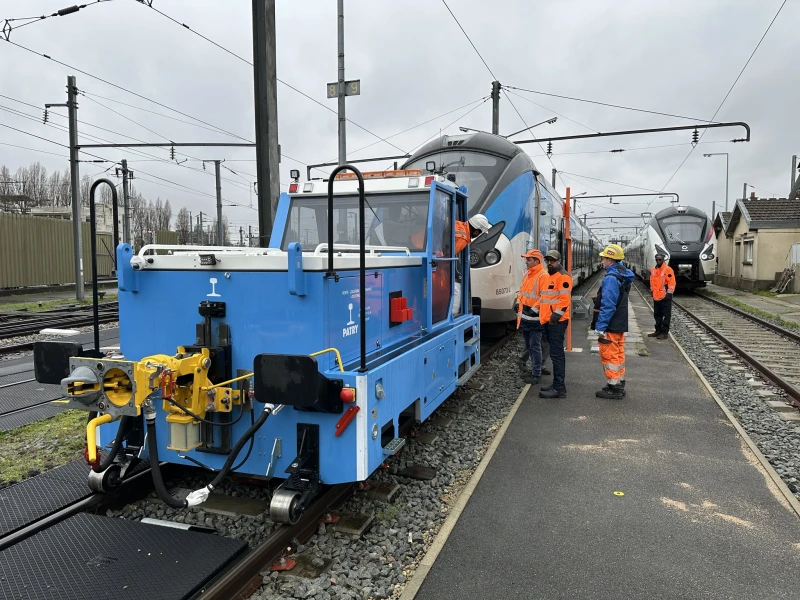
x=683, y=228
x=477, y=171
x=393, y=220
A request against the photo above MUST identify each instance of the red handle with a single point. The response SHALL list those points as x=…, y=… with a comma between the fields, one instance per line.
x=348, y=416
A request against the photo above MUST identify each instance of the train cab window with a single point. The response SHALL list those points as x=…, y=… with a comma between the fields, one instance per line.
x=477, y=171
x=683, y=228
x=390, y=220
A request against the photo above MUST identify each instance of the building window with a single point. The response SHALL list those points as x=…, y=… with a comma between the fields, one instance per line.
x=748, y=252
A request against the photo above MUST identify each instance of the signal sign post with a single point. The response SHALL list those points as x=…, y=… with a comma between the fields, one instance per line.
x=568, y=264
x=341, y=88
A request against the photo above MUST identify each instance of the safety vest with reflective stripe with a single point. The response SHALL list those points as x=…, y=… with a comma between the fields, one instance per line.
x=555, y=293
x=462, y=235
x=528, y=294
x=662, y=281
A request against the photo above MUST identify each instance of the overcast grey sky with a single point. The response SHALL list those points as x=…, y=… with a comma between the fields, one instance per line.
x=672, y=56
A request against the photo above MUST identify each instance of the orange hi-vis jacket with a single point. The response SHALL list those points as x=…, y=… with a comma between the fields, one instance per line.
x=662, y=281
x=462, y=235
x=555, y=293
x=528, y=294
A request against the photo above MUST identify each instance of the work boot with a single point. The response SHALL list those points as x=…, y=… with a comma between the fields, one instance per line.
x=611, y=392
x=654, y=334
x=546, y=371
x=552, y=393
x=607, y=387
x=622, y=385
x=531, y=379
x=663, y=336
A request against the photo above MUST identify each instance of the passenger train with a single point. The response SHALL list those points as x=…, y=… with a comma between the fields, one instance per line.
x=685, y=235
x=503, y=184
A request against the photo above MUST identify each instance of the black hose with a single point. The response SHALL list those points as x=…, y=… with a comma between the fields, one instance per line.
x=223, y=472
x=125, y=425
x=155, y=467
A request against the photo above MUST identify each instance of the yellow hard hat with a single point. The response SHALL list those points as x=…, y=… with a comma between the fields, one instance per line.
x=613, y=251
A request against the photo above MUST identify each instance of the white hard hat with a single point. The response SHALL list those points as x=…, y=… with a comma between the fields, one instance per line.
x=480, y=222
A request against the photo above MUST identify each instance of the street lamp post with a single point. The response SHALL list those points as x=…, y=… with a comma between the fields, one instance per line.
x=725, y=154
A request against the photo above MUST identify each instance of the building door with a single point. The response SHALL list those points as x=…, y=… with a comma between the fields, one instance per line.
x=737, y=261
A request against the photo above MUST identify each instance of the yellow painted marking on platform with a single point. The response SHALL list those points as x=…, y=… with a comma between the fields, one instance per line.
x=619, y=493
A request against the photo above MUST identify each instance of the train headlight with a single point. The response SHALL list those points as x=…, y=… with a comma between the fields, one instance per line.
x=474, y=258
x=492, y=257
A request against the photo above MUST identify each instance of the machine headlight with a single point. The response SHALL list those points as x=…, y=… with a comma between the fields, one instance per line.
x=474, y=258
x=704, y=256
x=492, y=257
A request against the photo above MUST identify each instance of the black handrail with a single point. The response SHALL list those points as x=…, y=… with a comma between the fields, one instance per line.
x=362, y=266
x=93, y=235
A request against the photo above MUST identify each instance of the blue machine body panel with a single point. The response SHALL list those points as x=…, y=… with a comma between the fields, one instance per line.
x=286, y=302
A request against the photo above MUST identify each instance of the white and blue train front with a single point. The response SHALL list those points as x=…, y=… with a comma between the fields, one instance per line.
x=525, y=211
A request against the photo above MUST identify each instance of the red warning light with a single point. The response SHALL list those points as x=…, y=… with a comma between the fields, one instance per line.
x=347, y=395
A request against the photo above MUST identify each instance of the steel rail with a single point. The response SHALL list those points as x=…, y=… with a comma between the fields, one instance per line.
x=241, y=580
x=792, y=335
x=759, y=366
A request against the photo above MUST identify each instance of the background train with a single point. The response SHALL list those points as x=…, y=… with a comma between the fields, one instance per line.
x=685, y=235
x=503, y=183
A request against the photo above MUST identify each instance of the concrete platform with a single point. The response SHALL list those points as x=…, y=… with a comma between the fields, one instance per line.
x=654, y=496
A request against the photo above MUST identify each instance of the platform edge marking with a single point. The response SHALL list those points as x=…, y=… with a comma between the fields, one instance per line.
x=773, y=474
x=413, y=586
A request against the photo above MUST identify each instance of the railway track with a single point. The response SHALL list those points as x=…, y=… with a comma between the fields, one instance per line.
x=30, y=323
x=771, y=350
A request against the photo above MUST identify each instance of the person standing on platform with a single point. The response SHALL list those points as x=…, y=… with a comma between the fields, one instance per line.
x=662, y=286
x=555, y=291
x=527, y=309
x=612, y=320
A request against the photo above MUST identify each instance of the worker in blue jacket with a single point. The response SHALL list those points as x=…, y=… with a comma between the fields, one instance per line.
x=612, y=320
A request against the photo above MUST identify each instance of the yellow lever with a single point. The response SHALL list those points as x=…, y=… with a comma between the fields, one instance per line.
x=91, y=434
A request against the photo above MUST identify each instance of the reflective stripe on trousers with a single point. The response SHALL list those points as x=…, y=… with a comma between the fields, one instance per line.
x=612, y=357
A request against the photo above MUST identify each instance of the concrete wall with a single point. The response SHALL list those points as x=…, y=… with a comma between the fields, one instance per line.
x=770, y=247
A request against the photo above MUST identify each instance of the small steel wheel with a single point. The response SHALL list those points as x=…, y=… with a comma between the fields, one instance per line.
x=285, y=507
x=107, y=481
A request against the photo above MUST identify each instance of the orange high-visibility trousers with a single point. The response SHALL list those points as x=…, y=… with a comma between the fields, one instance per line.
x=612, y=357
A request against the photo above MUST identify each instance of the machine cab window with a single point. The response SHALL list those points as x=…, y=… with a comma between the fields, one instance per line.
x=392, y=219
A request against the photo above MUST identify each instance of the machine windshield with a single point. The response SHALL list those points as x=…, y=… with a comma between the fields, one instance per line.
x=477, y=171
x=683, y=229
x=397, y=220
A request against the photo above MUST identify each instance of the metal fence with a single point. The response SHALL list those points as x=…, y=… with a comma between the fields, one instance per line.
x=36, y=251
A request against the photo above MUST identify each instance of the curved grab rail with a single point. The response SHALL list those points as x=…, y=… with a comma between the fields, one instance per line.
x=362, y=267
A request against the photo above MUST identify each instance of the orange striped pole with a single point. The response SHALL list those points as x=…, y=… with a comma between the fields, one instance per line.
x=568, y=237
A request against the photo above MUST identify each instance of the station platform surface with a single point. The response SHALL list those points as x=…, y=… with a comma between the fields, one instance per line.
x=653, y=496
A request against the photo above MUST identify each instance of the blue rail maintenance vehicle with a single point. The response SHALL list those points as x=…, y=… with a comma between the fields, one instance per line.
x=310, y=358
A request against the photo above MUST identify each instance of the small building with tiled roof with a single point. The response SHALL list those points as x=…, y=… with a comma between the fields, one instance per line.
x=754, y=240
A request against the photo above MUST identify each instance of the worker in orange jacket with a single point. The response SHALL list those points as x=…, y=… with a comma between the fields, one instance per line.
x=527, y=309
x=611, y=323
x=662, y=286
x=466, y=231
x=555, y=291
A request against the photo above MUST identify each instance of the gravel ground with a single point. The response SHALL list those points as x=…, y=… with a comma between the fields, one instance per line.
x=378, y=564
x=777, y=439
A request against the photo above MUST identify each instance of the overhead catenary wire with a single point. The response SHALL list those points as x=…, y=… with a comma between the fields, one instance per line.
x=290, y=86
x=126, y=90
x=607, y=104
x=59, y=13
x=741, y=72
x=551, y=110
